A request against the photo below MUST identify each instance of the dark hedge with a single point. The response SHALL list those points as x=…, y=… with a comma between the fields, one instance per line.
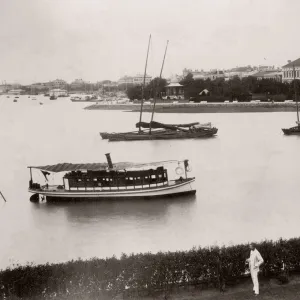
x=141, y=274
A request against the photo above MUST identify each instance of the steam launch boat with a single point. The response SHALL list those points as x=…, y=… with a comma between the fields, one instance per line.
x=107, y=180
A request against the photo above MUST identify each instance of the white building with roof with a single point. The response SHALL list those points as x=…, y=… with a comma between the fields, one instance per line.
x=214, y=74
x=135, y=80
x=240, y=72
x=288, y=71
x=197, y=74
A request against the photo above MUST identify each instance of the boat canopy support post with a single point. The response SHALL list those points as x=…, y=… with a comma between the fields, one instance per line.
x=144, y=82
x=30, y=182
x=2, y=196
x=157, y=86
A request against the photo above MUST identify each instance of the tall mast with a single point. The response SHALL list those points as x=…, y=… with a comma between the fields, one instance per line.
x=296, y=98
x=143, y=88
x=155, y=89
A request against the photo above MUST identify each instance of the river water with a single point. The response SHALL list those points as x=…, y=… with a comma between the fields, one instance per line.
x=247, y=181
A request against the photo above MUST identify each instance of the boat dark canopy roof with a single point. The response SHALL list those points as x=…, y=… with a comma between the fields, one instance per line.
x=67, y=167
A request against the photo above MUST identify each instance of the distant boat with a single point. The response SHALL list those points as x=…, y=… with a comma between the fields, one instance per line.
x=292, y=130
x=121, y=180
x=15, y=100
x=41, y=103
x=295, y=130
x=53, y=97
x=33, y=98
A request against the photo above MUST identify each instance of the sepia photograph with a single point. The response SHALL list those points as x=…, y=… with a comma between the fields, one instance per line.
x=149, y=149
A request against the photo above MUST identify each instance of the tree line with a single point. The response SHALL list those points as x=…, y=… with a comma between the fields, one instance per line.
x=242, y=89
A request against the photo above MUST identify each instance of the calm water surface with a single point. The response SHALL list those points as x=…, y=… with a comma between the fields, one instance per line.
x=247, y=181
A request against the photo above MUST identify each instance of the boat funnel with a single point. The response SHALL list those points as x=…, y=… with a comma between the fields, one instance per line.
x=110, y=165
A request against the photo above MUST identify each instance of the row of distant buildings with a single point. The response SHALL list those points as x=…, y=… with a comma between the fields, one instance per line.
x=260, y=72
x=283, y=74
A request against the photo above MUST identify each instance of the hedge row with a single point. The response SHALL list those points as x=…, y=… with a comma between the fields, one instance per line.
x=143, y=273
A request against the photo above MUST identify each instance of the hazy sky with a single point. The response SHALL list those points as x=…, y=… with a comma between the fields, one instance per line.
x=43, y=40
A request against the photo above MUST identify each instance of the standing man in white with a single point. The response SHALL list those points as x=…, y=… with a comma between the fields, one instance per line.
x=255, y=260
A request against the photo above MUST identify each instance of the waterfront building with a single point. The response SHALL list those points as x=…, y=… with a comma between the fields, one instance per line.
x=58, y=93
x=56, y=84
x=16, y=92
x=288, y=71
x=77, y=84
x=240, y=72
x=214, y=74
x=38, y=87
x=269, y=74
x=134, y=80
x=197, y=74
x=4, y=88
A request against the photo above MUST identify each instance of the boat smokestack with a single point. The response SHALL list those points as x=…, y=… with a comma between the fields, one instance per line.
x=110, y=165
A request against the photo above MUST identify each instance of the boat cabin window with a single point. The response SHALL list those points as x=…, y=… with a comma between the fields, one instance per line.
x=109, y=178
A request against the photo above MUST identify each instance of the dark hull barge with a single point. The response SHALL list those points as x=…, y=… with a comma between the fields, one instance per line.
x=160, y=131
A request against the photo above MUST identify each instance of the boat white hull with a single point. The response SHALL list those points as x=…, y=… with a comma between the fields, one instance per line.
x=161, y=191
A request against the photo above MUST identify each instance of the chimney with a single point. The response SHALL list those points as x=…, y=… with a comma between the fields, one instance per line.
x=110, y=165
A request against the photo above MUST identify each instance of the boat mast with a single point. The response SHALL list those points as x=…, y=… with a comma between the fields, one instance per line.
x=296, y=96
x=143, y=88
x=156, y=88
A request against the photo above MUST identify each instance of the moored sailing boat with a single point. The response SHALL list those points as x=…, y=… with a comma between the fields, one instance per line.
x=108, y=180
x=161, y=131
x=295, y=130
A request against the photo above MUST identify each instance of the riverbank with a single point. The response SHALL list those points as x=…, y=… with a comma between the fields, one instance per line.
x=201, y=107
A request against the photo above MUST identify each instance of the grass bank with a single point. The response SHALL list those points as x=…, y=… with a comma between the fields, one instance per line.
x=145, y=275
x=201, y=107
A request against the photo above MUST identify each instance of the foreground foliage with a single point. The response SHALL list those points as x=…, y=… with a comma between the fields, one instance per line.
x=144, y=273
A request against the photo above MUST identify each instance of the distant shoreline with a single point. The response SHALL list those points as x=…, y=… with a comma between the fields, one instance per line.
x=201, y=107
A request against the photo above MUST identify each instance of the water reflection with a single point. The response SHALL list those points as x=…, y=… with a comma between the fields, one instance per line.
x=135, y=209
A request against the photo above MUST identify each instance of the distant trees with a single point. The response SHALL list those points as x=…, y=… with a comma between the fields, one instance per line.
x=155, y=86
x=236, y=88
x=220, y=89
x=134, y=92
